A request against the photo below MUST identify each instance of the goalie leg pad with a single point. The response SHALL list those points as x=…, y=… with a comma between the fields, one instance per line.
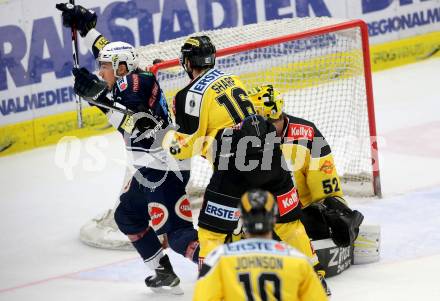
x=102, y=232
x=367, y=245
x=333, y=259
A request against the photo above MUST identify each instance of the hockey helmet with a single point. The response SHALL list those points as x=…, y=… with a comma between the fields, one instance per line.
x=199, y=51
x=117, y=53
x=267, y=101
x=258, y=209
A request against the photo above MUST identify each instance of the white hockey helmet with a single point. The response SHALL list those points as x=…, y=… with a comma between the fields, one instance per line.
x=119, y=52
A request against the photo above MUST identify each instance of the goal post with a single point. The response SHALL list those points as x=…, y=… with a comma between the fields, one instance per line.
x=322, y=68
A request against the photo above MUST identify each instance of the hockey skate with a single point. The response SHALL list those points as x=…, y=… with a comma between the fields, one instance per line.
x=165, y=280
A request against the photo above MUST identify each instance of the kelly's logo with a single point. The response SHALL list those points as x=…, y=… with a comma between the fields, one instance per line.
x=287, y=202
x=299, y=131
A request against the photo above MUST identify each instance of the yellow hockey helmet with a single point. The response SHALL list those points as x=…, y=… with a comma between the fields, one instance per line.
x=258, y=209
x=267, y=101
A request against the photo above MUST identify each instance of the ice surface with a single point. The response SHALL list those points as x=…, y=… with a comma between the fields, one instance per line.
x=43, y=206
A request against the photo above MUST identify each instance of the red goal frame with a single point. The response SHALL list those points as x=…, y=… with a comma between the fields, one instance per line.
x=313, y=32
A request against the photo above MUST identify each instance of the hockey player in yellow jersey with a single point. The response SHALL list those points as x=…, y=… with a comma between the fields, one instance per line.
x=213, y=113
x=304, y=146
x=211, y=93
x=257, y=268
x=316, y=178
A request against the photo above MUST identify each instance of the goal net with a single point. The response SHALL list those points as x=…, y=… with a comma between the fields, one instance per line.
x=322, y=68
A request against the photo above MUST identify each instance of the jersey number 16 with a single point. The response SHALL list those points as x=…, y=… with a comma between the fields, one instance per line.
x=241, y=100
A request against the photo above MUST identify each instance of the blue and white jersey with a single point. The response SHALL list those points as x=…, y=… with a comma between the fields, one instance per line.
x=140, y=93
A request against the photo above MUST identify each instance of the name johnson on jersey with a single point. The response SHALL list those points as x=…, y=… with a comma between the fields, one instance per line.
x=259, y=262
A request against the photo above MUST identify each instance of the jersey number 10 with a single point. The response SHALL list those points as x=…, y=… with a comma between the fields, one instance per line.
x=263, y=278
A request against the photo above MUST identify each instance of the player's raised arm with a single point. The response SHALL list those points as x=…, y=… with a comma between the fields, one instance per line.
x=85, y=21
x=140, y=113
x=76, y=15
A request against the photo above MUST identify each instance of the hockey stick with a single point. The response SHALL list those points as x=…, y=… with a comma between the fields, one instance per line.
x=109, y=107
x=78, y=98
x=76, y=65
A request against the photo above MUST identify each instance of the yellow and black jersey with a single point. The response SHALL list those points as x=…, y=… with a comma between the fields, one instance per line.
x=210, y=103
x=309, y=154
x=257, y=269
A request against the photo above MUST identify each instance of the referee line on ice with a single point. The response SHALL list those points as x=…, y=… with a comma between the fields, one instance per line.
x=67, y=275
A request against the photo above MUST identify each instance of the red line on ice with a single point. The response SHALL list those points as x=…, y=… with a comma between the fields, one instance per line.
x=8, y=289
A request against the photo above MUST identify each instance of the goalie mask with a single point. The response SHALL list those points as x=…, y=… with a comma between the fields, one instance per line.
x=199, y=51
x=267, y=101
x=117, y=53
x=258, y=211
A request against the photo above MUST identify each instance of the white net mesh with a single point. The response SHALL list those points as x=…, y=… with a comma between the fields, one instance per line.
x=229, y=37
x=321, y=78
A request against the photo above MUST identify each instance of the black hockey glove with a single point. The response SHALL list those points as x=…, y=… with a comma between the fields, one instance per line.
x=84, y=19
x=88, y=85
x=343, y=221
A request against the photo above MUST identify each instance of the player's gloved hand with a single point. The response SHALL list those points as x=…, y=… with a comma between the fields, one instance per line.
x=76, y=15
x=88, y=85
x=238, y=233
x=150, y=125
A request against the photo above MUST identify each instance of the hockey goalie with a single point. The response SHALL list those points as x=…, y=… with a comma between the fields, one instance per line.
x=335, y=229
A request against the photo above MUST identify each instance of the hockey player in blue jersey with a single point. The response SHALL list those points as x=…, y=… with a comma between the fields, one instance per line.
x=154, y=203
